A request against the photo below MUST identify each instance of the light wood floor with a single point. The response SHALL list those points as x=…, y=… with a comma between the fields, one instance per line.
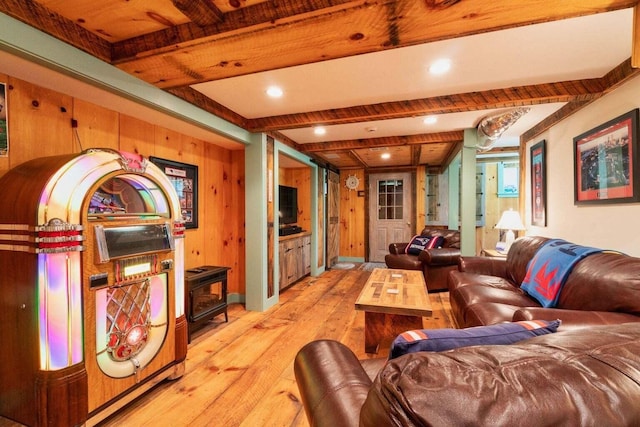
x=240, y=373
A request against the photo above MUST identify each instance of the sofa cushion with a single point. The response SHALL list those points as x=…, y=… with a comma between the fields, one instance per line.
x=419, y=243
x=447, y=339
x=486, y=313
x=604, y=282
x=519, y=255
x=459, y=279
x=451, y=238
x=465, y=296
x=435, y=242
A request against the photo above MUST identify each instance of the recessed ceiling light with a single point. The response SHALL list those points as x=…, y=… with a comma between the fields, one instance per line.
x=274, y=91
x=319, y=130
x=430, y=120
x=440, y=66
x=385, y=156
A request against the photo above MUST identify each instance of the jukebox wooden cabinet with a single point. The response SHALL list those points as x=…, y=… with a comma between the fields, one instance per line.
x=92, y=292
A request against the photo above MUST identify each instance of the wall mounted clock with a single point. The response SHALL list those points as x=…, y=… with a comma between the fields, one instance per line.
x=352, y=182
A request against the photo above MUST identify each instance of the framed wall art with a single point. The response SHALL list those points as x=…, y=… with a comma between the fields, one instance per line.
x=184, y=178
x=538, y=184
x=605, y=162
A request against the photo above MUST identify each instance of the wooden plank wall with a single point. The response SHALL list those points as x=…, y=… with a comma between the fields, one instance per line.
x=352, y=216
x=39, y=123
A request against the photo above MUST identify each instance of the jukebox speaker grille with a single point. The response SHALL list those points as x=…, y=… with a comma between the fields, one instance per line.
x=128, y=320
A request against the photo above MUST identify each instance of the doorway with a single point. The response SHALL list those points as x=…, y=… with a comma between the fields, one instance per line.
x=390, y=212
x=333, y=218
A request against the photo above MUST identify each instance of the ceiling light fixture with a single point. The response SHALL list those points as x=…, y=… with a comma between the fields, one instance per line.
x=385, y=156
x=440, y=66
x=430, y=120
x=274, y=91
x=319, y=130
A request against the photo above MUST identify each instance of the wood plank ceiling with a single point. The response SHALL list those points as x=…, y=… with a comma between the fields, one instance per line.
x=175, y=44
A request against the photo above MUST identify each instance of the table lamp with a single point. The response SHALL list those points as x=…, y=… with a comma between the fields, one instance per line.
x=510, y=220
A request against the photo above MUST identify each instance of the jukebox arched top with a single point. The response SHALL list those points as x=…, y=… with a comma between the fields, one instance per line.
x=128, y=195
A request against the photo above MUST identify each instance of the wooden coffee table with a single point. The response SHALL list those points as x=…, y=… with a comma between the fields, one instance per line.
x=393, y=301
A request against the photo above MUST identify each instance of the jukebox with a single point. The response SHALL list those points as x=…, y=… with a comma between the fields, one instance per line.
x=91, y=288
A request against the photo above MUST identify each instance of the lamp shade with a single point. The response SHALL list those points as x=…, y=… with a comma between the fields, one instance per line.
x=510, y=220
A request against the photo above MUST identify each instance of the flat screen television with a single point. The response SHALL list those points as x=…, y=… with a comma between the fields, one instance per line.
x=288, y=204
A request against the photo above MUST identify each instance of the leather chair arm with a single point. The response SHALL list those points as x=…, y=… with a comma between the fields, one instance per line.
x=574, y=319
x=483, y=265
x=397, y=248
x=333, y=384
x=440, y=256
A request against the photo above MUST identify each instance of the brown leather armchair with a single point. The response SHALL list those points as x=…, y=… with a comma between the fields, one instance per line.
x=435, y=263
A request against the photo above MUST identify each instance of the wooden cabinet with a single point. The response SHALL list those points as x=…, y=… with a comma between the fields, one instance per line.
x=306, y=254
x=294, y=253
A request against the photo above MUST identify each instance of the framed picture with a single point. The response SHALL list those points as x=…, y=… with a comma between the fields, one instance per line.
x=184, y=178
x=538, y=184
x=605, y=162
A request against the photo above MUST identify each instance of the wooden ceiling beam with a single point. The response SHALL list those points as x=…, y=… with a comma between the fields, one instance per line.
x=635, y=42
x=198, y=99
x=619, y=75
x=610, y=81
x=237, y=23
x=354, y=156
x=34, y=14
x=389, y=141
x=491, y=99
x=247, y=39
x=202, y=12
x=416, y=150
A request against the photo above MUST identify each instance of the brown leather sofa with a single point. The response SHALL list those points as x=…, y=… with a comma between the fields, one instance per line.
x=435, y=263
x=603, y=288
x=570, y=378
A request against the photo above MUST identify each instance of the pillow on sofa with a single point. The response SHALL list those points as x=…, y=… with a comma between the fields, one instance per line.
x=419, y=243
x=447, y=339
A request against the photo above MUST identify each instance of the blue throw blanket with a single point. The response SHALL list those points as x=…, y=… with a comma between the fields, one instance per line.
x=549, y=268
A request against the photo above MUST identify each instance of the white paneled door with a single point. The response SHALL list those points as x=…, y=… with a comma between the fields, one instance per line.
x=390, y=212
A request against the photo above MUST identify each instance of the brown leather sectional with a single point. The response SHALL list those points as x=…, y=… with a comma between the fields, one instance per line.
x=603, y=288
x=587, y=373
x=435, y=263
x=588, y=377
